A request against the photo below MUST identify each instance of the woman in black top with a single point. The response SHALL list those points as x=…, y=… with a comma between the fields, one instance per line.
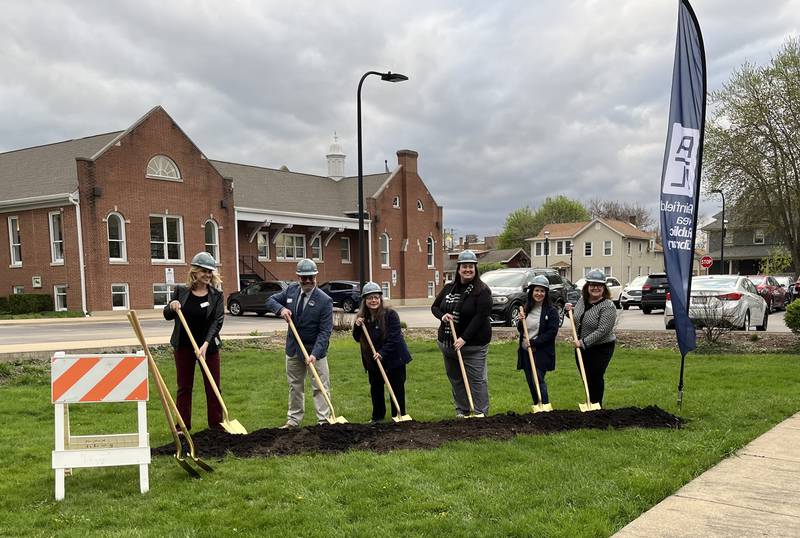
x=542, y=320
x=201, y=302
x=383, y=325
x=468, y=302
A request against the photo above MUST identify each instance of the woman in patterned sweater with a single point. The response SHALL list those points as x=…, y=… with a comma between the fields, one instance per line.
x=595, y=316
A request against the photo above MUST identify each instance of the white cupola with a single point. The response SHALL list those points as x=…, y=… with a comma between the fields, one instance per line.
x=335, y=160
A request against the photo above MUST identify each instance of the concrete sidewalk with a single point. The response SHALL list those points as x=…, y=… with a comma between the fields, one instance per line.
x=755, y=492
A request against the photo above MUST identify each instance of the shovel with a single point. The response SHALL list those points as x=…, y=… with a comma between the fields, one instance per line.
x=170, y=409
x=231, y=426
x=332, y=419
x=537, y=408
x=588, y=406
x=399, y=417
x=472, y=413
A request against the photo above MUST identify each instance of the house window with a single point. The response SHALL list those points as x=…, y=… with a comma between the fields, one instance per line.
x=262, y=239
x=430, y=252
x=629, y=250
x=162, y=167
x=758, y=237
x=538, y=248
x=587, y=248
x=14, y=241
x=431, y=289
x=607, y=270
x=386, y=289
x=56, y=238
x=607, y=248
x=420, y=206
x=290, y=247
x=18, y=290
x=629, y=273
x=384, y=247
x=396, y=202
x=586, y=270
x=60, y=298
x=162, y=294
x=115, y=225
x=568, y=249
x=212, y=239
x=166, y=238
x=641, y=248
x=316, y=249
x=119, y=296
x=728, y=237
x=560, y=247
x=344, y=249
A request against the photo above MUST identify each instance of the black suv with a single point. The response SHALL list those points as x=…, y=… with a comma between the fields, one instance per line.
x=344, y=293
x=508, y=291
x=654, y=292
x=254, y=297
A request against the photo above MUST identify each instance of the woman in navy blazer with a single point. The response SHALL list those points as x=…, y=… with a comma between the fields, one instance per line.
x=542, y=319
x=383, y=325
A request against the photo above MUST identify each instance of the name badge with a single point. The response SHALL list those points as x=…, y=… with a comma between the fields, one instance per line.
x=204, y=305
x=289, y=300
x=310, y=303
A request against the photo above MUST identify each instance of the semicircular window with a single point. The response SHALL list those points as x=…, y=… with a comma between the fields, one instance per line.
x=162, y=167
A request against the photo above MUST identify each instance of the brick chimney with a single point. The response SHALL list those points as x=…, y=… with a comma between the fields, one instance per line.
x=408, y=159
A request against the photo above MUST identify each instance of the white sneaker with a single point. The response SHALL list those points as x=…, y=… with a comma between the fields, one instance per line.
x=289, y=426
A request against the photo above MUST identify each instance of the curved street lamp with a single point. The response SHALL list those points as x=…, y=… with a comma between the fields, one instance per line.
x=387, y=77
x=722, y=235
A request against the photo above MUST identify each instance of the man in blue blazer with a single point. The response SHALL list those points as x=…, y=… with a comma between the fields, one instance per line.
x=311, y=310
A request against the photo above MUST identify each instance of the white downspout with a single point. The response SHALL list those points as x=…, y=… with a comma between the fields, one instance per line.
x=369, y=248
x=76, y=202
x=236, y=243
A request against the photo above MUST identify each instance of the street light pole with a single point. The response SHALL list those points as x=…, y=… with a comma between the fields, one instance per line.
x=546, y=246
x=388, y=77
x=722, y=235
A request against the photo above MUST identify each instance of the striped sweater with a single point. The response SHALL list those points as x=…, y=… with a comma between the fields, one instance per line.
x=597, y=326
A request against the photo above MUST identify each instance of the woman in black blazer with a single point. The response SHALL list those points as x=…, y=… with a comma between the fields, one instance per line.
x=383, y=325
x=542, y=320
x=202, y=304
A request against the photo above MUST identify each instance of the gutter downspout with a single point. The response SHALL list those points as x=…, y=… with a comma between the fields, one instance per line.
x=73, y=198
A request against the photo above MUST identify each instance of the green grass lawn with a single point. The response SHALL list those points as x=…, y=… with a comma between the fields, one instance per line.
x=580, y=483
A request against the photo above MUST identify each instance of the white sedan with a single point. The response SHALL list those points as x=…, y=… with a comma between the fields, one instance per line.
x=725, y=300
x=613, y=285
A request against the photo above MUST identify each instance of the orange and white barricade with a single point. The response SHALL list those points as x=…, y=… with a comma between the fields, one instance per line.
x=92, y=379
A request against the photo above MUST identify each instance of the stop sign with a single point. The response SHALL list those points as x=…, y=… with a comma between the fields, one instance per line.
x=706, y=262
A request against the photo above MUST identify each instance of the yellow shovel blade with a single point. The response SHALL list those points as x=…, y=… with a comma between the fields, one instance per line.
x=475, y=415
x=234, y=427
x=402, y=418
x=337, y=420
x=542, y=408
x=584, y=407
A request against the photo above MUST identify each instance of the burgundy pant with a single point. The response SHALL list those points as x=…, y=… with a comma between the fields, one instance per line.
x=184, y=364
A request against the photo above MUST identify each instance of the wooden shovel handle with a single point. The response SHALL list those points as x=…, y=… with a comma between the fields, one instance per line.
x=312, y=368
x=380, y=367
x=203, y=364
x=580, y=356
x=463, y=370
x=534, y=372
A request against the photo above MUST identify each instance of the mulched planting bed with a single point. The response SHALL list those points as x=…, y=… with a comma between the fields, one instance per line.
x=419, y=435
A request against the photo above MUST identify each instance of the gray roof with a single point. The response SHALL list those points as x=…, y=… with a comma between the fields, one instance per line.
x=502, y=255
x=743, y=252
x=46, y=170
x=282, y=190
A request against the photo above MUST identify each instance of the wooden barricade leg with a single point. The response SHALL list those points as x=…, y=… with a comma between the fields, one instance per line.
x=144, y=483
x=59, y=422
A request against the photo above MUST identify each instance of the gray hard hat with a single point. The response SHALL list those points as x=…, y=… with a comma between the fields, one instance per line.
x=467, y=256
x=596, y=276
x=204, y=260
x=306, y=267
x=370, y=288
x=539, y=281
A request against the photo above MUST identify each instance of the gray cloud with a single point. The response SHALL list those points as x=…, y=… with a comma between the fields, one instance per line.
x=508, y=102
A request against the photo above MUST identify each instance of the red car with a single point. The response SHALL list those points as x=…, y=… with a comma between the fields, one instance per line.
x=770, y=290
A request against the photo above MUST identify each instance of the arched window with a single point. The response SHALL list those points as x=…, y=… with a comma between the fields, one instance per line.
x=162, y=167
x=420, y=207
x=212, y=239
x=396, y=202
x=116, y=238
x=430, y=252
x=384, y=246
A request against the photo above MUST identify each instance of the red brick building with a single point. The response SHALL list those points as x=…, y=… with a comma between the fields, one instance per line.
x=111, y=221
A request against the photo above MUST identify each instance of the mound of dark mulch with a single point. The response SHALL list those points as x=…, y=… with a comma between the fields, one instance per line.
x=421, y=435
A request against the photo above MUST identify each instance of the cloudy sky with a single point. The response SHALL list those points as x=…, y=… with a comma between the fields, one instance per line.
x=508, y=102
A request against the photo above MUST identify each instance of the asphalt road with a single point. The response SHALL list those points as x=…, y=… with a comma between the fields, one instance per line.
x=115, y=330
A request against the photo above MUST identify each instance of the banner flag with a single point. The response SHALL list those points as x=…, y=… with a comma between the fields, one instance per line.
x=680, y=178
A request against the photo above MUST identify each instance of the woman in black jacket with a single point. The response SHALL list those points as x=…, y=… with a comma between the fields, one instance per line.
x=467, y=301
x=383, y=325
x=542, y=320
x=202, y=304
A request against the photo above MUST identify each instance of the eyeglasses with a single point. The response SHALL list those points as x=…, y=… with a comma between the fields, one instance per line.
x=591, y=285
x=307, y=279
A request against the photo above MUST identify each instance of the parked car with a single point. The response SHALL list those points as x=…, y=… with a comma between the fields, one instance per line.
x=344, y=293
x=253, y=298
x=654, y=292
x=632, y=293
x=508, y=291
x=770, y=290
x=573, y=292
x=787, y=283
x=725, y=300
x=614, y=288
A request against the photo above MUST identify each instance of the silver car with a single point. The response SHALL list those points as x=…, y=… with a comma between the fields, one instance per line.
x=728, y=300
x=632, y=293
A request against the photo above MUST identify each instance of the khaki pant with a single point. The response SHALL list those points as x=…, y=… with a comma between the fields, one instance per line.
x=296, y=370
